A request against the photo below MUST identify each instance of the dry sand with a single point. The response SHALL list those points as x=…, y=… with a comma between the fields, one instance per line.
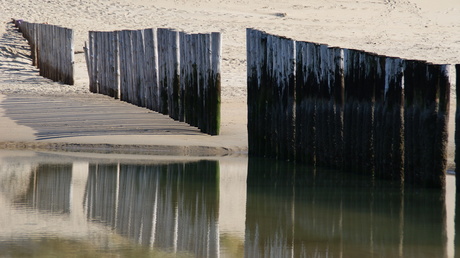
x=415, y=29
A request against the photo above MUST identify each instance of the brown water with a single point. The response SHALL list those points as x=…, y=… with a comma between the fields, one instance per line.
x=62, y=205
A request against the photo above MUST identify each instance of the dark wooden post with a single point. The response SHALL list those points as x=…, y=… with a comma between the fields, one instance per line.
x=322, y=103
x=414, y=91
x=214, y=99
x=350, y=114
x=457, y=133
x=163, y=70
x=336, y=83
x=122, y=65
x=252, y=86
x=441, y=141
x=151, y=69
x=391, y=163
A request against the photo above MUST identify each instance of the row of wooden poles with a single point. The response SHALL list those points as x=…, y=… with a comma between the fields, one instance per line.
x=171, y=72
x=52, y=50
x=346, y=108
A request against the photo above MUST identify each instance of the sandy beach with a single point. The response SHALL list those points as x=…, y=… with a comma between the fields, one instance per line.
x=413, y=29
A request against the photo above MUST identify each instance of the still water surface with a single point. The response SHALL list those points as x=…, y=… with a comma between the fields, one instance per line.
x=58, y=205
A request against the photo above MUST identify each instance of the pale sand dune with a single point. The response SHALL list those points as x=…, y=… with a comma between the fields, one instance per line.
x=415, y=29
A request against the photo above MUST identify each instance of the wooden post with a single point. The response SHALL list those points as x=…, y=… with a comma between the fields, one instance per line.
x=258, y=92
x=269, y=120
x=102, y=60
x=215, y=84
x=174, y=101
x=349, y=116
x=124, y=71
x=392, y=135
x=378, y=124
x=194, y=88
x=251, y=83
x=91, y=62
x=322, y=105
x=129, y=65
x=184, y=75
x=457, y=131
x=199, y=97
x=301, y=99
x=88, y=62
x=307, y=83
x=163, y=70
x=438, y=179
x=70, y=57
x=338, y=91
x=138, y=68
x=151, y=69
x=414, y=81
x=114, y=71
x=205, y=57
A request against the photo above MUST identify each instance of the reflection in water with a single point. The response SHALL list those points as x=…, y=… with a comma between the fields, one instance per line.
x=173, y=207
x=209, y=209
x=293, y=211
x=49, y=188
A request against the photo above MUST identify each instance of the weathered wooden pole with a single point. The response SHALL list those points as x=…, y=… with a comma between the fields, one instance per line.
x=390, y=164
x=271, y=119
x=205, y=67
x=138, y=65
x=441, y=141
x=336, y=83
x=124, y=43
x=102, y=65
x=151, y=69
x=252, y=46
x=162, y=71
x=174, y=100
x=114, y=69
x=258, y=92
x=129, y=65
x=287, y=83
x=322, y=100
x=457, y=132
x=369, y=66
x=313, y=92
x=70, y=57
x=214, y=100
x=186, y=75
x=194, y=81
x=350, y=114
x=414, y=88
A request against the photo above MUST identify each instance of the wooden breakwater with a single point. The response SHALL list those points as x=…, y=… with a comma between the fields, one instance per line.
x=174, y=73
x=348, y=109
x=52, y=50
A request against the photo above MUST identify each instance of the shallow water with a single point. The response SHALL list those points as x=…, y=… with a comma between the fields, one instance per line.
x=86, y=205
